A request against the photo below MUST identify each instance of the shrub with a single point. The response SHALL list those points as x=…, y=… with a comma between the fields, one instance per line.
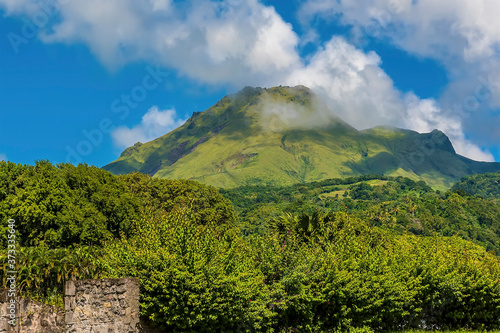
x=194, y=277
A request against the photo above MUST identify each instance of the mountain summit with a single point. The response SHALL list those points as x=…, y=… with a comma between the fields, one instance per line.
x=285, y=135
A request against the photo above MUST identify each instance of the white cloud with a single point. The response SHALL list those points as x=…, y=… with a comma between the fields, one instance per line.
x=3, y=157
x=425, y=115
x=247, y=43
x=154, y=124
x=278, y=115
x=444, y=29
x=353, y=84
x=211, y=41
x=463, y=35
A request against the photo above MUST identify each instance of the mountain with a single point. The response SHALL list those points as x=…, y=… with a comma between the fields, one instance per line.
x=285, y=135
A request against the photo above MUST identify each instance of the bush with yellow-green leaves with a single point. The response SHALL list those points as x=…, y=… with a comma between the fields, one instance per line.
x=323, y=272
x=309, y=274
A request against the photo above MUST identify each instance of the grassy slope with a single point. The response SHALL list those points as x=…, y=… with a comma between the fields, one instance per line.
x=228, y=146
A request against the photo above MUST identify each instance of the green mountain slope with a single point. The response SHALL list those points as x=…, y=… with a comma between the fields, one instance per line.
x=395, y=203
x=485, y=185
x=249, y=138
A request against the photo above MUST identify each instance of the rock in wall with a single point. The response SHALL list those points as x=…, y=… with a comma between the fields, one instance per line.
x=31, y=316
x=90, y=306
x=110, y=306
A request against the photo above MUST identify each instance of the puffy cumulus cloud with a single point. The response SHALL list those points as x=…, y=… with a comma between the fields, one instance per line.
x=463, y=35
x=426, y=115
x=211, y=41
x=154, y=124
x=353, y=85
x=469, y=29
x=239, y=43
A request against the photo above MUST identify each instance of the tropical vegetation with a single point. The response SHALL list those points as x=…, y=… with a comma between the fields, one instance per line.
x=366, y=254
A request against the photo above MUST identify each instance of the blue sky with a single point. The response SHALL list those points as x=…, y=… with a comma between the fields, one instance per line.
x=82, y=80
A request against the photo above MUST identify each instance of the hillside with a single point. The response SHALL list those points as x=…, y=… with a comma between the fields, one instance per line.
x=485, y=185
x=283, y=136
x=370, y=259
x=66, y=205
x=398, y=204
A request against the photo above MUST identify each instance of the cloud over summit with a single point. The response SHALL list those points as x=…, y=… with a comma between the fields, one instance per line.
x=462, y=35
x=236, y=43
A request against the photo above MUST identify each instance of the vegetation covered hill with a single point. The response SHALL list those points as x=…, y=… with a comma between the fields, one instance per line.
x=64, y=205
x=362, y=254
x=485, y=185
x=399, y=204
x=283, y=136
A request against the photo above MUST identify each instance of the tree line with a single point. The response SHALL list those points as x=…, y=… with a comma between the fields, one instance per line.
x=366, y=254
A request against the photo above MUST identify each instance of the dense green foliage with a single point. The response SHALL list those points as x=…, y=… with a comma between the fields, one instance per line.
x=399, y=204
x=485, y=185
x=256, y=203
x=43, y=272
x=364, y=254
x=325, y=273
x=164, y=195
x=194, y=277
x=63, y=205
x=334, y=271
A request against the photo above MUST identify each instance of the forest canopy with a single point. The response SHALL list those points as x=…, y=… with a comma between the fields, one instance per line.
x=63, y=205
x=484, y=185
x=399, y=204
x=372, y=253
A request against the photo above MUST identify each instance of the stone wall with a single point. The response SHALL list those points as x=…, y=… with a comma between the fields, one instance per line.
x=31, y=316
x=90, y=306
x=108, y=306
